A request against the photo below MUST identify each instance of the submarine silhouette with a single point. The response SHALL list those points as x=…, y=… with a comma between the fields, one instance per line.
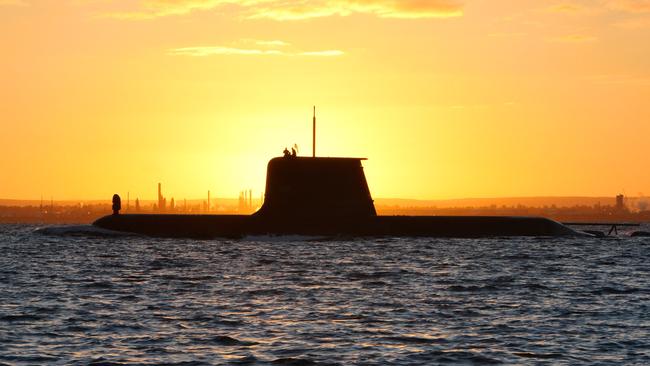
x=326, y=196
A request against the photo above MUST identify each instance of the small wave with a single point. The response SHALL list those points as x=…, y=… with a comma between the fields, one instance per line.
x=356, y=275
x=265, y=292
x=616, y=291
x=535, y=286
x=415, y=340
x=80, y=230
x=166, y=263
x=467, y=313
x=265, y=261
x=285, y=238
x=223, y=341
x=520, y=256
x=120, y=327
x=21, y=317
x=455, y=357
x=77, y=329
x=293, y=362
x=461, y=288
x=98, y=285
x=374, y=283
x=104, y=362
x=538, y=355
x=228, y=323
x=204, y=319
x=32, y=359
x=247, y=360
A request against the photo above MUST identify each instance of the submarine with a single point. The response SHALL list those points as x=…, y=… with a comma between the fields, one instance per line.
x=325, y=196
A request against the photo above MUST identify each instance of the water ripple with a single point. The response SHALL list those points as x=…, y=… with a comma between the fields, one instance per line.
x=75, y=295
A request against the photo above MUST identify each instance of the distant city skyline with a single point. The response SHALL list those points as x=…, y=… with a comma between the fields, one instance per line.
x=634, y=203
x=567, y=209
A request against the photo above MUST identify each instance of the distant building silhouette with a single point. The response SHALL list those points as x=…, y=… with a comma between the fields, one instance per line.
x=162, y=201
x=620, y=203
x=245, y=203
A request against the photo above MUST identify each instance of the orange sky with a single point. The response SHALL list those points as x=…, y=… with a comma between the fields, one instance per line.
x=446, y=98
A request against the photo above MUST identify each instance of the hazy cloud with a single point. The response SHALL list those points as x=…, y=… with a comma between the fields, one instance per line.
x=272, y=44
x=566, y=8
x=147, y=9
x=569, y=8
x=13, y=3
x=574, y=38
x=290, y=10
x=297, y=9
x=636, y=23
x=633, y=6
x=635, y=80
x=329, y=53
x=598, y=7
x=506, y=34
x=202, y=51
x=271, y=50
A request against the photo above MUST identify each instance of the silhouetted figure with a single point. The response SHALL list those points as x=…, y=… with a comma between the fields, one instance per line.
x=117, y=204
x=293, y=152
x=286, y=153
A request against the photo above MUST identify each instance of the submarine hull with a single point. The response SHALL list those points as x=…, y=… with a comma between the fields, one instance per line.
x=235, y=226
x=326, y=196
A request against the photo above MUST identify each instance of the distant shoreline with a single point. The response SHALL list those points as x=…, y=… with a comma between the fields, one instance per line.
x=86, y=214
x=532, y=201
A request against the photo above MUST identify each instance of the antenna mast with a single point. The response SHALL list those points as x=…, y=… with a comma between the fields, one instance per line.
x=314, y=135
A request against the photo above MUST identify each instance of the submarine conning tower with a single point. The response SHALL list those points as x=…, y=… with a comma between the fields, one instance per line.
x=300, y=187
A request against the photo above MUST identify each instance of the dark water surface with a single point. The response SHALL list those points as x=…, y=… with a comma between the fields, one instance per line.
x=79, y=297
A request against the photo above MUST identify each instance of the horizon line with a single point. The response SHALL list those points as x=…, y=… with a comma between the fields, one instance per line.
x=108, y=199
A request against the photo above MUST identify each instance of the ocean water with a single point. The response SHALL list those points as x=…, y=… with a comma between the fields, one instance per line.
x=76, y=295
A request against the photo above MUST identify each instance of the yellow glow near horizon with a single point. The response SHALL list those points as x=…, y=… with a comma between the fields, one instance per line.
x=447, y=99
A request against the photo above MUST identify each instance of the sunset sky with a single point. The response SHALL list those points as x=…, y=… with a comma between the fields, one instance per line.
x=447, y=99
